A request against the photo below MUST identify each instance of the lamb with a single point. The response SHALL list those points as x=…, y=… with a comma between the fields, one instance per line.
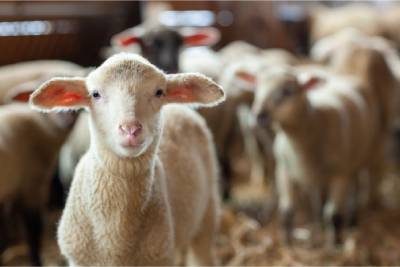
x=374, y=61
x=147, y=187
x=27, y=76
x=326, y=127
x=201, y=59
x=30, y=142
x=390, y=21
x=230, y=52
x=327, y=21
x=234, y=137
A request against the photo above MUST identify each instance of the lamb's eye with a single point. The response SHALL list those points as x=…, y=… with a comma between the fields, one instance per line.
x=159, y=93
x=96, y=94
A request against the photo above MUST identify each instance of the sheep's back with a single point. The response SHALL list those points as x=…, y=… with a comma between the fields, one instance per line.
x=189, y=160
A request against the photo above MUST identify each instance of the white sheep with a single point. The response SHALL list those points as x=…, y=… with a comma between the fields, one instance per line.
x=231, y=51
x=147, y=187
x=29, y=146
x=201, y=59
x=375, y=62
x=325, y=21
x=326, y=128
x=235, y=137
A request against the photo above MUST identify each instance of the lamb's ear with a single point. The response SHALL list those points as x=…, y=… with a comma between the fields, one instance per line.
x=207, y=36
x=60, y=94
x=246, y=80
x=131, y=36
x=310, y=82
x=21, y=92
x=193, y=88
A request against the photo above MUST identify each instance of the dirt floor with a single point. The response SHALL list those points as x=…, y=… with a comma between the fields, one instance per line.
x=243, y=241
x=250, y=234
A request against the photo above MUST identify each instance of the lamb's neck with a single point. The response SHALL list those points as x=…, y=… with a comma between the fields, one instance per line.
x=299, y=126
x=131, y=179
x=125, y=167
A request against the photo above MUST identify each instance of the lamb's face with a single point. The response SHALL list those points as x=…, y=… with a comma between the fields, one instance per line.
x=162, y=47
x=124, y=96
x=275, y=96
x=125, y=102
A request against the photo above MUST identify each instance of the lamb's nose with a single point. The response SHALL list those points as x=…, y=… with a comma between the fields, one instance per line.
x=131, y=128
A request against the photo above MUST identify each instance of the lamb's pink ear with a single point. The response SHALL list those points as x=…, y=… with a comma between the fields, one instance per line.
x=22, y=96
x=193, y=88
x=311, y=82
x=61, y=94
x=246, y=79
x=131, y=36
x=207, y=36
x=21, y=92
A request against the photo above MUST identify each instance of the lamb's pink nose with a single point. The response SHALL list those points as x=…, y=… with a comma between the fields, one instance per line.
x=131, y=128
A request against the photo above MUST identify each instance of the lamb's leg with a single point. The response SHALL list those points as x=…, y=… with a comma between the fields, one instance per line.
x=286, y=202
x=33, y=222
x=204, y=244
x=352, y=206
x=375, y=173
x=316, y=209
x=226, y=181
x=180, y=257
x=3, y=233
x=335, y=207
x=247, y=127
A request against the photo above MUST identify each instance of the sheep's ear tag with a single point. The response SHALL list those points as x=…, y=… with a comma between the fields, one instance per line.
x=22, y=96
x=207, y=36
x=129, y=40
x=311, y=83
x=247, y=80
x=247, y=77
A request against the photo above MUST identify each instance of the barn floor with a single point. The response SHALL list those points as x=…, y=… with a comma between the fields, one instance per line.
x=250, y=234
x=243, y=241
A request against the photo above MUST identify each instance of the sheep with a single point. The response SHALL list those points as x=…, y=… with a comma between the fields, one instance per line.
x=374, y=61
x=162, y=45
x=390, y=22
x=201, y=59
x=30, y=142
x=16, y=74
x=325, y=128
x=230, y=52
x=147, y=187
x=234, y=138
x=24, y=86
x=326, y=21
x=345, y=52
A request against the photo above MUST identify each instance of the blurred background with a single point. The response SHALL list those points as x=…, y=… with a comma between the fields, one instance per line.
x=226, y=40
x=76, y=31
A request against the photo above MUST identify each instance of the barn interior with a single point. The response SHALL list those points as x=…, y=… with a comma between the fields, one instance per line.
x=313, y=185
